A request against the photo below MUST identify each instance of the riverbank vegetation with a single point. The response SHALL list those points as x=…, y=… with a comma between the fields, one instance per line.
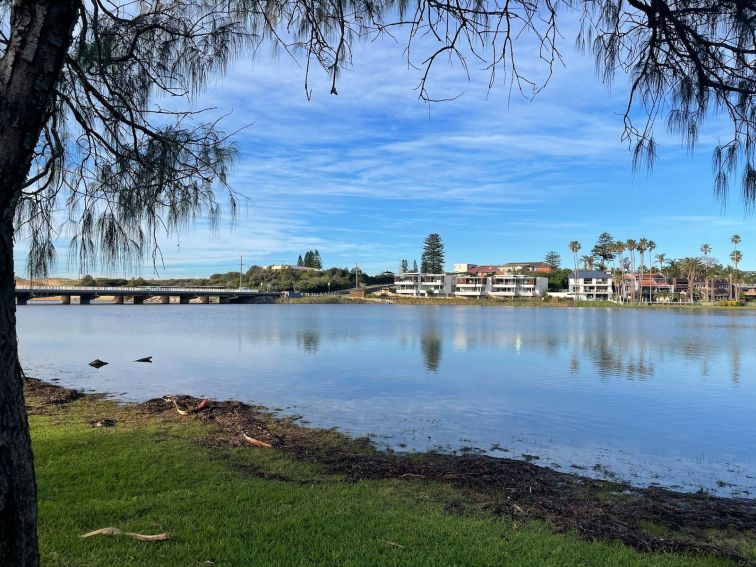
x=315, y=497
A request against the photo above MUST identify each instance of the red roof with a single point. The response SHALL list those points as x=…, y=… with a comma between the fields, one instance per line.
x=484, y=270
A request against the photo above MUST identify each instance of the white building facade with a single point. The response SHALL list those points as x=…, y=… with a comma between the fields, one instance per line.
x=424, y=285
x=591, y=286
x=448, y=285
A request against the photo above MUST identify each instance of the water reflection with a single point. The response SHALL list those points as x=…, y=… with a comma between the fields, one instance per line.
x=431, y=346
x=630, y=346
x=309, y=340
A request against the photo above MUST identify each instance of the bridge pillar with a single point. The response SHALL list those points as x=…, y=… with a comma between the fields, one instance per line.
x=138, y=300
x=86, y=298
x=165, y=299
x=204, y=299
x=118, y=300
x=184, y=299
x=22, y=298
x=222, y=299
x=65, y=300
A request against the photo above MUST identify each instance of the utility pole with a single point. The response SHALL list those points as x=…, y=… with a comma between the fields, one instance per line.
x=241, y=268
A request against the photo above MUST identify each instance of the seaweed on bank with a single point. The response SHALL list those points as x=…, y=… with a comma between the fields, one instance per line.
x=648, y=519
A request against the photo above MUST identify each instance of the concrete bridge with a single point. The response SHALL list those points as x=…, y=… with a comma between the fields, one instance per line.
x=138, y=294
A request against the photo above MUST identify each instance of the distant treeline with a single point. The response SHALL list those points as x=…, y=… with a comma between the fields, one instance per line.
x=260, y=278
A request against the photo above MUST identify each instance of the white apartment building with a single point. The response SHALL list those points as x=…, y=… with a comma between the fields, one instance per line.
x=424, y=285
x=446, y=285
x=518, y=286
x=591, y=286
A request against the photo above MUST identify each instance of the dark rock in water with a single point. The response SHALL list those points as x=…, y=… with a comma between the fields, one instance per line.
x=145, y=359
x=97, y=363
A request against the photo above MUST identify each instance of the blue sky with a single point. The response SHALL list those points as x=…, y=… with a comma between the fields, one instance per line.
x=364, y=176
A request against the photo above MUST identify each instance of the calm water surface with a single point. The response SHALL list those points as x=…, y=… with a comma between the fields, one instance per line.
x=653, y=397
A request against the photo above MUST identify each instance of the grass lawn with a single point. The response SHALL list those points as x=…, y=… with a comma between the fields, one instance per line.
x=226, y=505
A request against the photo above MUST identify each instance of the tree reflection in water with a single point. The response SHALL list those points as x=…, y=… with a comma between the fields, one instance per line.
x=430, y=343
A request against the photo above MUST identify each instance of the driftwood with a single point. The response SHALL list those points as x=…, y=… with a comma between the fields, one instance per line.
x=256, y=442
x=199, y=407
x=116, y=531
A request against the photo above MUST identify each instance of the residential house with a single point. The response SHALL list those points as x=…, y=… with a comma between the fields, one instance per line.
x=524, y=267
x=651, y=287
x=591, y=286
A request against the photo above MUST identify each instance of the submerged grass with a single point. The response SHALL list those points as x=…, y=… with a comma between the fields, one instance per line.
x=155, y=471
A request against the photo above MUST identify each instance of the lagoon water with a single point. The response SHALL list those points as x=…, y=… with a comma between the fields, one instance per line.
x=649, y=396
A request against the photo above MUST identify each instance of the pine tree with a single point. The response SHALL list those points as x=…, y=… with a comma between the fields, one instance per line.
x=300, y=262
x=553, y=259
x=308, y=259
x=404, y=267
x=604, y=249
x=414, y=266
x=432, y=260
x=317, y=262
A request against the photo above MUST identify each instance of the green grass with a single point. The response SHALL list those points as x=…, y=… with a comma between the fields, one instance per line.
x=147, y=475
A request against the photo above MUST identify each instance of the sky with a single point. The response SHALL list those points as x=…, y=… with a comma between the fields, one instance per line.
x=365, y=175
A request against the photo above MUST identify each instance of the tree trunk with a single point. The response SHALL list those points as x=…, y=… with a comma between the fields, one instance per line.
x=40, y=35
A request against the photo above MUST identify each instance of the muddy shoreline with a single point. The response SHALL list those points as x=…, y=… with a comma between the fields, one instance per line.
x=648, y=519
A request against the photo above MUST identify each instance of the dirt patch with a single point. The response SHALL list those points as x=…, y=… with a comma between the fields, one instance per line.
x=595, y=509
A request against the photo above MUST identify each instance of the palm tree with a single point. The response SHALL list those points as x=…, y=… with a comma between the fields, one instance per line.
x=660, y=259
x=651, y=248
x=642, y=247
x=706, y=250
x=631, y=245
x=587, y=262
x=575, y=248
x=736, y=256
x=619, y=249
x=735, y=239
x=691, y=267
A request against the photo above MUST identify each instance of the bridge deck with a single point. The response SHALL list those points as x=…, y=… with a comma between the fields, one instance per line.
x=143, y=291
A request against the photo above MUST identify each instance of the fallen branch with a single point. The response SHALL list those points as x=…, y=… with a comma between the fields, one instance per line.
x=181, y=411
x=200, y=406
x=256, y=442
x=116, y=531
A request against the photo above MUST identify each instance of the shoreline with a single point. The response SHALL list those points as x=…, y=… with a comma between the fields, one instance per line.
x=483, y=302
x=649, y=519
